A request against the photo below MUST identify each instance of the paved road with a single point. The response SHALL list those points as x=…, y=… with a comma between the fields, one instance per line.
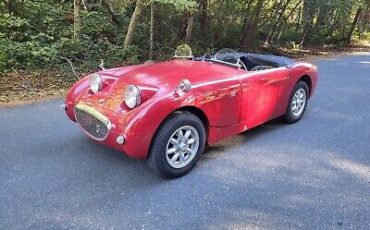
x=311, y=175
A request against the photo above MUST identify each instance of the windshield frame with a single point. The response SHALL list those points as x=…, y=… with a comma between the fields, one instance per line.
x=239, y=64
x=212, y=58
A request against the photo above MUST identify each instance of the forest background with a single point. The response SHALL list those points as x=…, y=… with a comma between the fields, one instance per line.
x=45, y=45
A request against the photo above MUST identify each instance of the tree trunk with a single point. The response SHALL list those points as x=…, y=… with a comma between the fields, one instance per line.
x=298, y=19
x=304, y=34
x=282, y=27
x=184, y=24
x=108, y=5
x=220, y=24
x=333, y=25
x=151, y=39
x=250, y=30
x=354, y=23
x=189, y=29
x=284, y=22
x=203, y=5
x=9, y=5
x=280, y=12
x=133, y=23
x=76, y=20
x=308, y=15
x=273, y=23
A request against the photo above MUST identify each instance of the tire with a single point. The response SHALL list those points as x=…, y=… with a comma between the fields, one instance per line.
x=295, y=112
x=168, y=145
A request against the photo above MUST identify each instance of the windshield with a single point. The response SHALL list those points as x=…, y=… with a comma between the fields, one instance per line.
x=229, y=57
x=224, y=56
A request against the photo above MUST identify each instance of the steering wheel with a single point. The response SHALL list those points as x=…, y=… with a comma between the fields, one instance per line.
x=242, y=65
x=231, y=59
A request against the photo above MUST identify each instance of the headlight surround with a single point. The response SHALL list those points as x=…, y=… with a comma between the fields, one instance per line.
x=132, y=96
x=96, y=83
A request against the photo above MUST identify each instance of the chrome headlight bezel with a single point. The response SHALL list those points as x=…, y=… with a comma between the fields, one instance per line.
x=96, y=83
x=131, y=96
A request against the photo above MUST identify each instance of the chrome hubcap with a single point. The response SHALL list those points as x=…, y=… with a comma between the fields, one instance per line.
x=182, y=146
x=299, y=102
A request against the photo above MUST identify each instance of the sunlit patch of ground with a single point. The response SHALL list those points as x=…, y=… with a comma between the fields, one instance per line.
x=20, y=86
x=356, y=169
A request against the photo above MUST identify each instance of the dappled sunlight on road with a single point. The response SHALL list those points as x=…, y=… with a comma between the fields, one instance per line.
x=358, y=170
x=365, y=62
x=314, y=183
x=253, y=219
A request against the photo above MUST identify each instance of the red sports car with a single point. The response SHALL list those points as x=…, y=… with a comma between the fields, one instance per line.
x=167, y=112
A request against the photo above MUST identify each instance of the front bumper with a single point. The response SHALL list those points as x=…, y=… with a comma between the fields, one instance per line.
x=130, y=132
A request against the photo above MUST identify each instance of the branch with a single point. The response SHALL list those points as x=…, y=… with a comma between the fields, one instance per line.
x=169, y=27
x=71, y=64
x=24, y=87
x=101, y=65
x=108, y=5
x=27, y=85
x=83, y=2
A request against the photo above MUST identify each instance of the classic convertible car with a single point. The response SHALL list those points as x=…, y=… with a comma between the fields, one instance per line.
x=167, y=112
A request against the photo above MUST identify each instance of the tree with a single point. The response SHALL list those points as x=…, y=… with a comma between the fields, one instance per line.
x=280, y=19
x=76, y=20
x=189, y=28
x=250, y=28
x=203, y=8
x=151, y=38
x=354, y=23
x=108, y=5
x=308, y=17
x=133, y=23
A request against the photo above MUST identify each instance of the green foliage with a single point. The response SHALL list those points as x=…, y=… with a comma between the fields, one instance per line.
x=89, y=53
x=180, y=4
x=37, y=34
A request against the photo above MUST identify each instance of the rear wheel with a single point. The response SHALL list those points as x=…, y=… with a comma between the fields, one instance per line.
x=297, y=103
x=177, y=145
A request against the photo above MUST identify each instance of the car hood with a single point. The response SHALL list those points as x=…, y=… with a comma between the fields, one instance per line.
x=167, y=75
x=152, y=79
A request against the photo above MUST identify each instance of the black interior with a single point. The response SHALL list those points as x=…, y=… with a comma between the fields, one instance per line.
x=253, y=61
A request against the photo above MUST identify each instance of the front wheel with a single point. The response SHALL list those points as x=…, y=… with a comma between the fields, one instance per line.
x=177, y=145
x=297, y=103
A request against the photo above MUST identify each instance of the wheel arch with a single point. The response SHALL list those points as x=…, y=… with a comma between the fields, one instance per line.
x=199, y=113
x=191, y=109
x=307, y=79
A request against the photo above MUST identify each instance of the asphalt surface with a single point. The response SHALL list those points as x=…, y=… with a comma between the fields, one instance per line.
x=311, y=175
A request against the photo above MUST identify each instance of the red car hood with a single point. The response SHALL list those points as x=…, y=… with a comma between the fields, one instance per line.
x=151, y=79
x=167, y=75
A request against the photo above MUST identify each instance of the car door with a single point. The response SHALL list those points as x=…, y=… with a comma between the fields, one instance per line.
x=222, y=101
x=263, y=94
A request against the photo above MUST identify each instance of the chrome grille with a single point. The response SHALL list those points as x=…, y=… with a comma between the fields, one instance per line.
x=91, y=125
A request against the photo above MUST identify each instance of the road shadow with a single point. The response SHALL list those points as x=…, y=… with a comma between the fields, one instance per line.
x=242, y=138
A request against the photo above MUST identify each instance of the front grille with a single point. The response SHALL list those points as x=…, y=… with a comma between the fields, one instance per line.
x=91, y=125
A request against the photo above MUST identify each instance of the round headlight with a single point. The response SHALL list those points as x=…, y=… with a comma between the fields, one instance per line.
x=132, y=96
x=96, y=83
